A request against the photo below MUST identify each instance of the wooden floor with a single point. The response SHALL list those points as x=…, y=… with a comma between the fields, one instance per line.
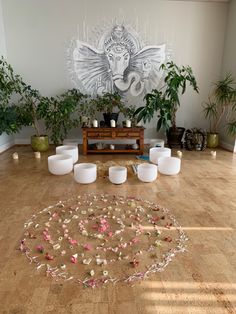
x=203, y=199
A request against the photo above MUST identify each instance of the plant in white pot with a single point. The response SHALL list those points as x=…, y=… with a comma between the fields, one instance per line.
x=221, y=108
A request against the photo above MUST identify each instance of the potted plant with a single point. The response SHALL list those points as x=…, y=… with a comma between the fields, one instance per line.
x=61, y=114
x=221, y=104
x=86, y=111
x=25, y=107
x=129, y=113
x=166, y=101
x=110, y=105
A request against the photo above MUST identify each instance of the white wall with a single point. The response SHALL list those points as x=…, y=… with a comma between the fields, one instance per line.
x=6, y=141
x=38, y=34
x=229, y=62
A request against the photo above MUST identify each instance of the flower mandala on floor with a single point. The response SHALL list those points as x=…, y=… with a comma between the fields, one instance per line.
x=96, y=239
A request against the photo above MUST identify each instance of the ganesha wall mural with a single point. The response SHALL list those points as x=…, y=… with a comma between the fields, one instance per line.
x=117, y=62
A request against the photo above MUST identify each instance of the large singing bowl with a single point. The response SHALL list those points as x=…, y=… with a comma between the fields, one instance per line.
x=60, y=164
x=156, y=152
x=71, y=150
x=169, y=165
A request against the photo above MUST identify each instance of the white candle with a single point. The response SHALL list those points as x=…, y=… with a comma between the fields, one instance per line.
x=113, y=123
x=179, y=154
x=213, y=153
x=112, y=146
x=95, y=123
x=37, y=155
x=15, y=156
x=128, y=123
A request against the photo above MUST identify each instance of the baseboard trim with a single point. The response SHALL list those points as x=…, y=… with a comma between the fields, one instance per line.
x=26, y=141
x=228, y=146
x=22, y=141
x=7, y=145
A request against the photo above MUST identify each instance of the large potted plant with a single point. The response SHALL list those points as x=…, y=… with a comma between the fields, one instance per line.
x=221, y=106
x=110, y=105
x=19, y=106
x=166, y=102
x=61, y=114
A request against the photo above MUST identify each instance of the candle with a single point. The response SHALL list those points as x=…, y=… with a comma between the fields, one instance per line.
x=128, y=123
x=95, y=123
x=15, y=156
x=213, y=153
x=113, y=123
x=112, y=146
x=37, y=155
x=179, y=154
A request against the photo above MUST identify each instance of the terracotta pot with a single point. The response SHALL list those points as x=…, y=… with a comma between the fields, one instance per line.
x=39, y=143
x=212, y=140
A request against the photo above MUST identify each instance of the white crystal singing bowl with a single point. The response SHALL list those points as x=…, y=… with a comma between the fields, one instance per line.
x=169, y=165
x=117, y=174
x=71, y=150
x=156, y=152
x=85, y=173
x=60, y=164
x=147, y=172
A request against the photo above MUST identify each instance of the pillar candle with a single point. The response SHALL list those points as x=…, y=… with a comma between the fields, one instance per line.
x=95, y=123
x=128, y=123
x=113, y=123
x=15, y=156
x=37, y=155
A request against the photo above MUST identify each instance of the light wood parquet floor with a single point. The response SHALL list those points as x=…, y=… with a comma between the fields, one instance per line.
x=203, y=199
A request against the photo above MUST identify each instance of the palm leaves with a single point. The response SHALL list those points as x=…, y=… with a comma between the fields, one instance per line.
x=222, y=103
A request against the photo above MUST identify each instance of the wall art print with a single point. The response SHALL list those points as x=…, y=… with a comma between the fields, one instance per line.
x=118, y=62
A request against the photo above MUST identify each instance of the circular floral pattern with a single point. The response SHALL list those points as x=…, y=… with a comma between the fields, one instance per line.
x=95, y=239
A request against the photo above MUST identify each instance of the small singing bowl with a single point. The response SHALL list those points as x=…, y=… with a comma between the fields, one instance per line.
x=85, y=173
x=117, y=174
x=147, y=172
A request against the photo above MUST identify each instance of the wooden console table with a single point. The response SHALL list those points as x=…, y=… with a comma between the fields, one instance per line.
x=117, y=133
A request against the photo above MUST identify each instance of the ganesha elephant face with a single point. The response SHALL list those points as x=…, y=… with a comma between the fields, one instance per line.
x=118, y=62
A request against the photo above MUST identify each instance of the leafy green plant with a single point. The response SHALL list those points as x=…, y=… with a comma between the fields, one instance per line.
x=166, y=100
x=87, y=109
x=61, y=114
x=129, y=112
x=10, y=119
x=18, y=101
x=109, y=103
x=222, y=104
